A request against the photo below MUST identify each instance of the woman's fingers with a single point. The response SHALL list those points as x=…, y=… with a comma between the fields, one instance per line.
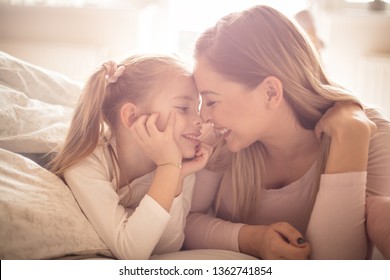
x=290, y=234
x=291, y=244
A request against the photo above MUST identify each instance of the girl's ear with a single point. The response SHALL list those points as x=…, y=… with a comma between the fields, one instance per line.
x=273, y=91
x=128, y=114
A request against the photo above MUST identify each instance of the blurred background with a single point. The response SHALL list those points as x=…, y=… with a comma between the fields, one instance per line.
x=74, y=36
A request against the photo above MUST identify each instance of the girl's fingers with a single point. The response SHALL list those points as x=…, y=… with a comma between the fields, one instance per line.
x=171, y=123
x=151, y=125
x=204, y=150
x=139, y=128
x=318, y=130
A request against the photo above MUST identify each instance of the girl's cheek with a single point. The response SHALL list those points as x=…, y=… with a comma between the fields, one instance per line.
x=162, y=122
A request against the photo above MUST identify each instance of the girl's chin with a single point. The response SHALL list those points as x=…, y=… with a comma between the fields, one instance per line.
x=188, y=153
x=187, y=156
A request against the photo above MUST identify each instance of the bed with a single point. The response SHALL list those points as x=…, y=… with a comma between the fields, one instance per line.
x=39, y=217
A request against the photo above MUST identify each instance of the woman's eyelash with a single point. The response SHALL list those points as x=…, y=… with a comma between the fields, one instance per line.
x=210, y=103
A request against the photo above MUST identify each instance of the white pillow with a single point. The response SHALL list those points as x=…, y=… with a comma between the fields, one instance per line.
x=39, y=217
x=30, y=125
x=37, y=82
x=36, y=106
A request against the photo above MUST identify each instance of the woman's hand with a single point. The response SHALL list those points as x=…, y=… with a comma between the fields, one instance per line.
x=276, y=241
x=159, y=146
x=350, y=131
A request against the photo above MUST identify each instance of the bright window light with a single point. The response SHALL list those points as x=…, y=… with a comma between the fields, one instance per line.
x=197, y=15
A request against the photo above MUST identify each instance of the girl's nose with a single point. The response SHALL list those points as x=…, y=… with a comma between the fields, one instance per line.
x=198, y=121
x=205, y=115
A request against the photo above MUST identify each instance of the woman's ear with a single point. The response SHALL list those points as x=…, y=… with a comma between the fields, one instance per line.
x=273, y=91
x=128, y=114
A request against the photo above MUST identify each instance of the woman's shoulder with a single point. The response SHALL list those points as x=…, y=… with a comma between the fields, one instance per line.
x=382, y=135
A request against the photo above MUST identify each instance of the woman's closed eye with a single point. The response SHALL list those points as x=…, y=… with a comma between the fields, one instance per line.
x=210, y=103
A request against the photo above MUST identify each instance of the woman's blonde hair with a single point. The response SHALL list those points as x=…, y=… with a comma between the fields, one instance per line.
x=247, y=47
x=98, y=108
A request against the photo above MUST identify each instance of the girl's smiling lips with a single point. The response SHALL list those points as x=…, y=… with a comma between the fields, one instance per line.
x=193, y=137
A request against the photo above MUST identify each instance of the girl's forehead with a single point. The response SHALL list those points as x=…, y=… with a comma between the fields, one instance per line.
x=181, y=85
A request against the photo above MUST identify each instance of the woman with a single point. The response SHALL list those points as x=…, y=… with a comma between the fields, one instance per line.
x=289, y=153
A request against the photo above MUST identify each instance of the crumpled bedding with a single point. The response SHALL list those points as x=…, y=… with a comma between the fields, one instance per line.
x=36, y=106
x=39, y=217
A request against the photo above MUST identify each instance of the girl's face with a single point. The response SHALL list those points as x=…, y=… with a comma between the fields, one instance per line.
x=236, y=113
x=180, y=95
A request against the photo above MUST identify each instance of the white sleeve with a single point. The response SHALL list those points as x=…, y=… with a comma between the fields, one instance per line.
x=128, y=233
x=336, y=228
x=173, y=237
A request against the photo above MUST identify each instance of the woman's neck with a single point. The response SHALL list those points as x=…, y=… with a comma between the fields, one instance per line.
x=292, y=145
x=289, y=156
x=288, y=141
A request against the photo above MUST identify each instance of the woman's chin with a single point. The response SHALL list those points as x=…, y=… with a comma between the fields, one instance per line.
x=234, y=147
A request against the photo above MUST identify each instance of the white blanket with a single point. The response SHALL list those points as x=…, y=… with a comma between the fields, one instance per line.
x=36, y=106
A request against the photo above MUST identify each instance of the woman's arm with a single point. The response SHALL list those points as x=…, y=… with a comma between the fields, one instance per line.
x=336, y=228
x=378, y=225
x=204, y=230
x=378, y=186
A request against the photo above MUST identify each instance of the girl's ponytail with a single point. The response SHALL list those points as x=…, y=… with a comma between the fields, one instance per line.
x=86, y=126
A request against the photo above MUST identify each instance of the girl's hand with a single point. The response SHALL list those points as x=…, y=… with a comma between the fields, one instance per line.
x=275, y=241
x=202, y=155
x=159, y=146
x=350, y=131
x=345, y=119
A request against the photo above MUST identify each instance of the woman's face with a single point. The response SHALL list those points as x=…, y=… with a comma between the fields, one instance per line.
x=180, y=95
x=234, y=110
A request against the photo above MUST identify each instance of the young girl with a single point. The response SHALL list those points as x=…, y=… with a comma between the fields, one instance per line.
x=129, y=153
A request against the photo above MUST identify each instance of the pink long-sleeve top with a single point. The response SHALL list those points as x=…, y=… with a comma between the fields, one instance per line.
x=335, y=226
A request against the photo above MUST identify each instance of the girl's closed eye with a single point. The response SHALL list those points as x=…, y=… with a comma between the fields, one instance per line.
x=183, y=109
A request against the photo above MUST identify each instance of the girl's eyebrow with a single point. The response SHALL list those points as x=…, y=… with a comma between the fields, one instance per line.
x=208, y=92
x=185, y=97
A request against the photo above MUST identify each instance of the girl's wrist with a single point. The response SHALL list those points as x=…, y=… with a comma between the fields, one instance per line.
x=172, y=163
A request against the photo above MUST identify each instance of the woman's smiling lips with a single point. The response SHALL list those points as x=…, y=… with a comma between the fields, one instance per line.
x=222, y=131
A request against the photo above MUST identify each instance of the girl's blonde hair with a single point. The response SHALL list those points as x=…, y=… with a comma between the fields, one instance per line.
x=98, y=108
x=247, y=47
